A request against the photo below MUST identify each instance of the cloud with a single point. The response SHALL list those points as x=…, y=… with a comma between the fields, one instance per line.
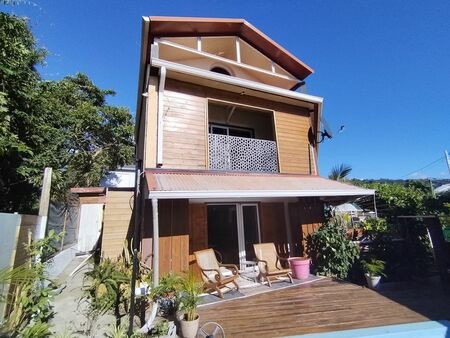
x=417, y=175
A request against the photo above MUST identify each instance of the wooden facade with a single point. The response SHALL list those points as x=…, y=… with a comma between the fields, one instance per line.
x=117, y=221
x=183, y=227
x=185, y=128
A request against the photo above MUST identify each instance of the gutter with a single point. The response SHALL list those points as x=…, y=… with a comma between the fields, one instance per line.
x=179, y=68
x=257, y=194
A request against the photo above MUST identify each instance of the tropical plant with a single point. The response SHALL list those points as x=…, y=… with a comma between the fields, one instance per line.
x=191, y=289
x=331, y=251
x=374, y=267
x=166, y=293
x=161, y=328
x=375, y=225
x=104, y=287
x=340, y=172
x=31, y=307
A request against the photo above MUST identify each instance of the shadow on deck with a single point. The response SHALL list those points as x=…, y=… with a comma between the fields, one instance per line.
x=328, y=305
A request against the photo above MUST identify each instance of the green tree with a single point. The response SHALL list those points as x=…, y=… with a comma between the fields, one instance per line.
x=66, y=125
x=340, y=172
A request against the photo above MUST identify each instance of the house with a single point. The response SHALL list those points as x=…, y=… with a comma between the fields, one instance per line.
x=227, y=144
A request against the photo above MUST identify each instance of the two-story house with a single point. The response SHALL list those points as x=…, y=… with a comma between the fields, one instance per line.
x=227, y=143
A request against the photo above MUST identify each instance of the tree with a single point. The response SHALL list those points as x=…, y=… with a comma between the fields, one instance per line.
x=66, y=125
x=340, y=172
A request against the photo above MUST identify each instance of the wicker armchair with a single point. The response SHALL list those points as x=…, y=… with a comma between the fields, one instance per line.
x=269, y=263
x=214, y=274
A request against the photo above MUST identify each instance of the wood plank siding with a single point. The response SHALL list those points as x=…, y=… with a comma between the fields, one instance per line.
x=306, y=216
x=117, y=221
x=173, y=233
x=185, y=133
x=185, y=128
x=293, y=145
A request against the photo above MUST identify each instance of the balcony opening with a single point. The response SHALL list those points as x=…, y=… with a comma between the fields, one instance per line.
x=241, y=138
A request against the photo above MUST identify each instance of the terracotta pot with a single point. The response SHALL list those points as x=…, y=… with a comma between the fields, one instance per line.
x=372, y=281
x=189, y=328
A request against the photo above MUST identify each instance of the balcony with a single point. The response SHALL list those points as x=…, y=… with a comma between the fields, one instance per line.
x=232, y=153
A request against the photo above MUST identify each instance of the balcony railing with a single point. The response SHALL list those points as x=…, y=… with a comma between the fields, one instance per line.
x=242, y=154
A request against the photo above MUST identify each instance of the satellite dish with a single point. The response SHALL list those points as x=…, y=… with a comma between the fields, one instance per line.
x=327, y=132
x=326, y=128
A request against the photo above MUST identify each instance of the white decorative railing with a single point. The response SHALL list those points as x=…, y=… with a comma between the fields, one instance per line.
x=242, y=154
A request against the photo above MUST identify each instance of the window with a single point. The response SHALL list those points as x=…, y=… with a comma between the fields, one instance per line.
x=220, y=70
x=231, y=131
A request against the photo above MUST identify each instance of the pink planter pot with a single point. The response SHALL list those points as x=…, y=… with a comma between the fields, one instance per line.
x=300, y=267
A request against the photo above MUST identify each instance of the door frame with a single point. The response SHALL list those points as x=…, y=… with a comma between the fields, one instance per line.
x=240, y=227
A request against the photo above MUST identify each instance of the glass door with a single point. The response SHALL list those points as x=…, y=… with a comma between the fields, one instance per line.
x=249, y=232
x=223, y=231
x=232, y=230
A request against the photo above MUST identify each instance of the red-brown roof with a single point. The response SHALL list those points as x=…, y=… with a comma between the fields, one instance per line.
x=164, y=183
x=188, y=26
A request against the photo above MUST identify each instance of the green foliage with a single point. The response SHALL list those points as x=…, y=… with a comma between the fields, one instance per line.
x=168, y=284
x=331, y=251
x=31, y=298
x=161, y=328
x=340, y=172
x=191, y=289
x=375, y=225
x=66, y=125
x=104, y=287
x=36, y=330
x=374, y=267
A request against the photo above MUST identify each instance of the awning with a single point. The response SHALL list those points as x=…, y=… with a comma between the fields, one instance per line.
x=174, y=184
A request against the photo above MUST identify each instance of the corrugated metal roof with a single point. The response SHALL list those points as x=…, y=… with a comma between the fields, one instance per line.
x=206, y=184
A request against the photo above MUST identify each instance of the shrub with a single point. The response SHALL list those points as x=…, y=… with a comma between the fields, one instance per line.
x=330, y=250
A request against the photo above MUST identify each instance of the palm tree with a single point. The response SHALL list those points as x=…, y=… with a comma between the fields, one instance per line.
x=340, y=172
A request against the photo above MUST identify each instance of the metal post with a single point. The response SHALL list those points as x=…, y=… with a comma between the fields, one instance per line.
x=155, y=242
x=447, y=158
x=375, y=205
x=133, y=292
x=288, y=226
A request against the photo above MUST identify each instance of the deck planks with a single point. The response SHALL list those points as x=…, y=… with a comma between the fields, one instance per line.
x=323, y=306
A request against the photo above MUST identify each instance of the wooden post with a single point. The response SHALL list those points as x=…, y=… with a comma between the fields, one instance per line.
x=44, y=204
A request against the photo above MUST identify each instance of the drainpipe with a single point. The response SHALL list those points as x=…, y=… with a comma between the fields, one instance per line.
x=155, y=264
x=162, y=84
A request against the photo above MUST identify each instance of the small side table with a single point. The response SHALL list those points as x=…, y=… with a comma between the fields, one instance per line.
x=254, y=271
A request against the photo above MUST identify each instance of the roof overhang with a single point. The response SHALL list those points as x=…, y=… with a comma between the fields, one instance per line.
x=164, y=26
x=173, y=184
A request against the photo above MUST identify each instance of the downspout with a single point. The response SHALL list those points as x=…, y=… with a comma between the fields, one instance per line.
x=155, y=264
x=162, y=83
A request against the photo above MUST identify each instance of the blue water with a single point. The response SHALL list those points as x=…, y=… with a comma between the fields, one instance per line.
x=431, y=329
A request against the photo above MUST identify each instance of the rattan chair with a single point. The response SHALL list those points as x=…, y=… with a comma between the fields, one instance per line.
x=269, y=263
x=214, y=274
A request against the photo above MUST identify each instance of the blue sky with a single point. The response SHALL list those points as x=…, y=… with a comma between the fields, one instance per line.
x=383, y=67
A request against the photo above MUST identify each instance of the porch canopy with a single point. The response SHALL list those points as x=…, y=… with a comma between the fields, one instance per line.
x=176, y=184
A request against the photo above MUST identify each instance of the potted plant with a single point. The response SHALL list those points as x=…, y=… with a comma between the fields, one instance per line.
x=191, y=289
x=166, y=293
x=373, y=270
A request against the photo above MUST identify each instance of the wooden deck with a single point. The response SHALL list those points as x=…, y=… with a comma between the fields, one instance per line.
x=327, y=305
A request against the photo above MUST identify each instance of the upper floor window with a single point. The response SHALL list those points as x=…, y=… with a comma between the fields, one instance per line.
x=231, y=130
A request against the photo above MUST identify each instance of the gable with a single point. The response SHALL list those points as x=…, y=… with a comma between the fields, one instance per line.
x=228, y=55
x=185, y=27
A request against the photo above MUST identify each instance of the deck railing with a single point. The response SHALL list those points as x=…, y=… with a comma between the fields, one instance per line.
x=242, y=154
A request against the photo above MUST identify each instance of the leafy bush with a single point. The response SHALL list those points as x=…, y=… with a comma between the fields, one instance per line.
x=375, y=225
x=330, y=250
x=103, y=287
x=31, y=307
x=191, y=289
x=374, y=267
